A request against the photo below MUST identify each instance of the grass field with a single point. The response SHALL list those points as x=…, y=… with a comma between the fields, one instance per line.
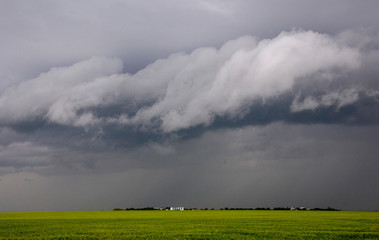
x=190, y=225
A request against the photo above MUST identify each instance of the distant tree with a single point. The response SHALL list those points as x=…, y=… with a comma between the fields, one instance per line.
x=263, y=209
x=282, y=208
x=325, y=209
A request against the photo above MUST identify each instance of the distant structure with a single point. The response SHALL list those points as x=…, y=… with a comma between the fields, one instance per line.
x=300, y=208
x=176, y=208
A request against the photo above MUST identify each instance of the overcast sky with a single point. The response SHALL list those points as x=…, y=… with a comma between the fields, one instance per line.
x=209, y=103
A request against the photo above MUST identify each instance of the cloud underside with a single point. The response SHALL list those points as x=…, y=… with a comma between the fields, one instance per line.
x=297, y=76
x=272, y=165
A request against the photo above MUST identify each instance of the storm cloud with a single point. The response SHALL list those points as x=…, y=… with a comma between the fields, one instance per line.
x=187, y=90
x=188, y=103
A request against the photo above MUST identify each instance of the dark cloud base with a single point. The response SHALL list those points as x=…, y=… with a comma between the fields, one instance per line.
x=272, y=165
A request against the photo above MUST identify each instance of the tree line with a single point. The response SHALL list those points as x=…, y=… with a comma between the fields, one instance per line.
x=227, y=208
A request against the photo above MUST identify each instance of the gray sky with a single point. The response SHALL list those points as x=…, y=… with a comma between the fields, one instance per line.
x=190, y=103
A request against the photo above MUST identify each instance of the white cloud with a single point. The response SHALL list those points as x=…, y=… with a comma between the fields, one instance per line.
x=335, y=98
x=214, y=86
x=183, y=90
x=339, y=99
x=37, y=96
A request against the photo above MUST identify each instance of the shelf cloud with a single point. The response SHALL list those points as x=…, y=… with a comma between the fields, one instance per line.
x=189, y=90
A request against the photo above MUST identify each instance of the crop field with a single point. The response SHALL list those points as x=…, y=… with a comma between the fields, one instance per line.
x=217, y=224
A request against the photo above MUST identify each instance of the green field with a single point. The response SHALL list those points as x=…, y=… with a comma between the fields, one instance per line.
x=190, y=225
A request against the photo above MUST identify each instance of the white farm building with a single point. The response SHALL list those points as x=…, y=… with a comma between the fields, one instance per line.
x=176, y=208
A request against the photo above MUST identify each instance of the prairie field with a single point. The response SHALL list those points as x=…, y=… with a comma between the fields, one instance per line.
x=216, y=224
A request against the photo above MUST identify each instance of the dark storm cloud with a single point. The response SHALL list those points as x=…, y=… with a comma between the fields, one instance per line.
x=245, y=77
x=275, y=165
x=157, y=103
x=299, y=77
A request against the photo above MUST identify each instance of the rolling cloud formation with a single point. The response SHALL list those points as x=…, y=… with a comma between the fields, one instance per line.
x=189, y=90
